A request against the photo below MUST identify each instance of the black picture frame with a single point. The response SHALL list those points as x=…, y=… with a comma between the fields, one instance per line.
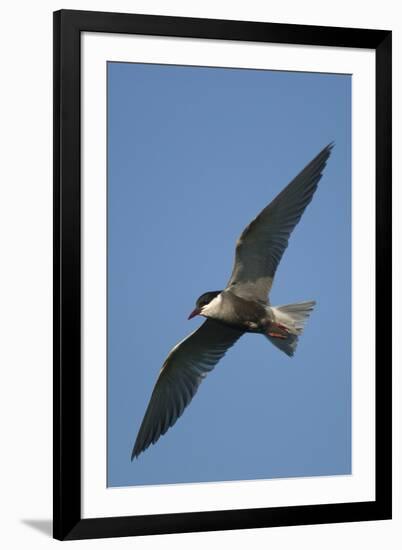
x=68, y=523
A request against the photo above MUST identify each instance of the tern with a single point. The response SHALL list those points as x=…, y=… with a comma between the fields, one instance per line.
x=243, y=306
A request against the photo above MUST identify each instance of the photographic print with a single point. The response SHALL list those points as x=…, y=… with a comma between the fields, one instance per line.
x=222, y=222
x=228, y=274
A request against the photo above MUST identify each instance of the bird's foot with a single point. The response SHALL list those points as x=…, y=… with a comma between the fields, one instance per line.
x=277, y=335
x=278, y=331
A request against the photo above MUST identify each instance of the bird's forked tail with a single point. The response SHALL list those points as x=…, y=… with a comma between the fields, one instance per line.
x=288, y=325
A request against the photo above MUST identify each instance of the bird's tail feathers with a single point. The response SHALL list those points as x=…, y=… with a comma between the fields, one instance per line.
x=288, y=325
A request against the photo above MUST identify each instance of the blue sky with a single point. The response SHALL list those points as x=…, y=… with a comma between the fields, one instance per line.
x=193, y=155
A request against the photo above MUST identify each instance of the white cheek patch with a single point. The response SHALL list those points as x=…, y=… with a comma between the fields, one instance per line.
x=213, y=307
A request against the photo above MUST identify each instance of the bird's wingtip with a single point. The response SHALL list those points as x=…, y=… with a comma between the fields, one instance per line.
x=137, y=450
x=135, y=453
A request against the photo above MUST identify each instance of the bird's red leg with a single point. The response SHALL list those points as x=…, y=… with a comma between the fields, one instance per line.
x=280, y=333
x=277, y=335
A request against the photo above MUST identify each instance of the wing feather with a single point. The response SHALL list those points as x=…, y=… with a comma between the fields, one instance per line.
x=183, y=371
x=262, y=244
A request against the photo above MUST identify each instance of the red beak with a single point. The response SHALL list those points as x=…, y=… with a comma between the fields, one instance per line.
x=195, y=312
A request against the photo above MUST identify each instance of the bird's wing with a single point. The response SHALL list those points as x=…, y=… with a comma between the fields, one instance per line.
x=263, y=242
x=184, y=369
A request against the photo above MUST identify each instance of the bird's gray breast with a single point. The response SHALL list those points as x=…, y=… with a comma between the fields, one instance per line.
x=235, y=311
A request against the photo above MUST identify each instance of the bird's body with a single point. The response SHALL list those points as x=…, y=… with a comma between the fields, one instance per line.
x=237, y=312
x=242, y=307
x=243, y=314
x=281, y=322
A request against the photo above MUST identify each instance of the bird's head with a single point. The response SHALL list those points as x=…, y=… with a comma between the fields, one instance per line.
x=203, y=301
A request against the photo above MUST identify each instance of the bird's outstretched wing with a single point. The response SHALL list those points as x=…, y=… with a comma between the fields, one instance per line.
x=184, y=369
x=263, y=242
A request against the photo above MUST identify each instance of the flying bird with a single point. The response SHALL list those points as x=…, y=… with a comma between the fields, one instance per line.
x=243, y=306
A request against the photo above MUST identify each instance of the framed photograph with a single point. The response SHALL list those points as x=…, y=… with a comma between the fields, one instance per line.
x=222, y=274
